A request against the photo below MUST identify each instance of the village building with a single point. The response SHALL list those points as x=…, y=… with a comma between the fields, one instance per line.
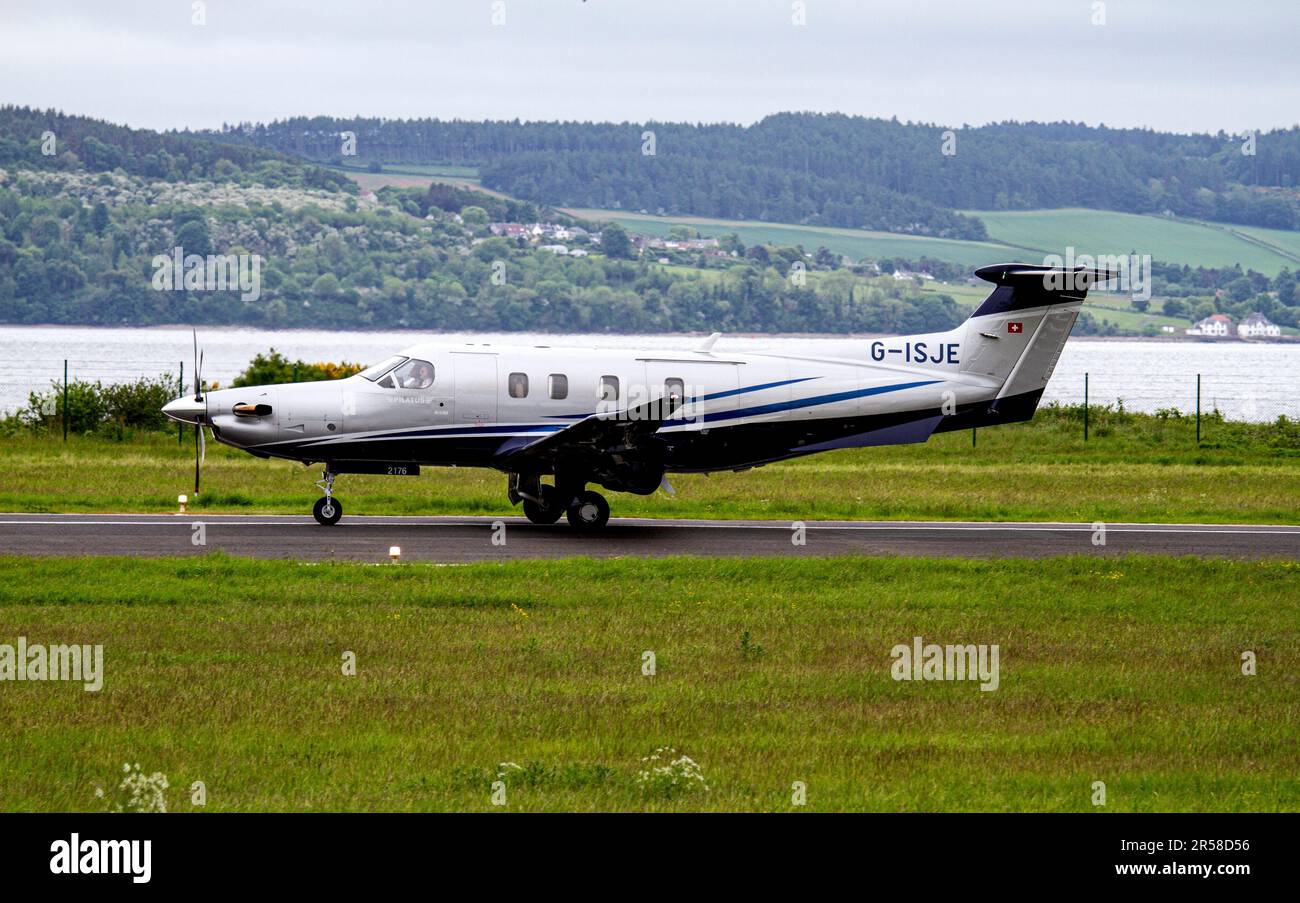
x=1258, y=326
x=1216, y=325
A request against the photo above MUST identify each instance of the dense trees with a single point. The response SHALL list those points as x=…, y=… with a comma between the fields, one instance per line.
x=48, y=139
x=77, y=239
x=386, y=268
x=833, y=169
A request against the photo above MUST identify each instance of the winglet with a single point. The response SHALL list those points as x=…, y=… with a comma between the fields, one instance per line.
x=707, y=344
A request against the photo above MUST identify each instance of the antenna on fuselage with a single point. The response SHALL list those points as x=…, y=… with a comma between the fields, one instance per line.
x=707, y=345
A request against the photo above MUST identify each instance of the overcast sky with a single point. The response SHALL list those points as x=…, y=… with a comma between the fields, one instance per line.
x=1183, y=65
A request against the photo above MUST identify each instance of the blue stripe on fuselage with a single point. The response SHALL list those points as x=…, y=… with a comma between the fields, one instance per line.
x=811, y=402
x=727, y=393
x=754, y=411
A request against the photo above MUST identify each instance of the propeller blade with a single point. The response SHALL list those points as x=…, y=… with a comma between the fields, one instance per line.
x=203, y=446
x=198, y=437
x=195, y=333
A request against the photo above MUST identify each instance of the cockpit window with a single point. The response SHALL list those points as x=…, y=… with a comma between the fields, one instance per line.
x=414, y=374
x=379, y=369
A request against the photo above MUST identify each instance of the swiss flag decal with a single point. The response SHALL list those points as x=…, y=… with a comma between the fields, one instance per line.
x=1015, y=327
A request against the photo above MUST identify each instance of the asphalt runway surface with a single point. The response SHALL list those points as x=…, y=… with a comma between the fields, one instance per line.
x=464, y=539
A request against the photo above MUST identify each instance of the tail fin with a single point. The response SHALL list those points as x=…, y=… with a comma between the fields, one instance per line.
x=1017, y=334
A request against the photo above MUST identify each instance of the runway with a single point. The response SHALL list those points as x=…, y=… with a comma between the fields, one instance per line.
x=466, y=539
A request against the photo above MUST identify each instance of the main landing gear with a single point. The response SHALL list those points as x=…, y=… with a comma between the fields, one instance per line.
x=547, y=509
x=588, y=511
x=543, y=504
x=327, y=510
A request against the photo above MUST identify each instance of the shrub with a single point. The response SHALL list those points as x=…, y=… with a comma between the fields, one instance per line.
x=94, y=407
x=274, y=367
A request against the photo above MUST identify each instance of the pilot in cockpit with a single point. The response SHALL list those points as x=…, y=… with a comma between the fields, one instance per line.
x=421, y=377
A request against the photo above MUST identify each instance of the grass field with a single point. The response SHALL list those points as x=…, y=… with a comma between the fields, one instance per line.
x=1024, y=235
x=1108, y=232
x=856, y=243
x=1134, y=468
x=417, y=176
x=767, y=672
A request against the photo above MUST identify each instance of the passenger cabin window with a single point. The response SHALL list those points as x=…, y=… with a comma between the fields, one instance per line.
x=608, y=388
x=414, y=374
x=518, y=384
x=559, y=386
x=675, y=392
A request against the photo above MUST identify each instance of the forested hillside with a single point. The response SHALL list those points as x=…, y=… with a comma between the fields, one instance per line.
x=79, y=239
x=50, y=140
x=832, y=169
x=83, y=223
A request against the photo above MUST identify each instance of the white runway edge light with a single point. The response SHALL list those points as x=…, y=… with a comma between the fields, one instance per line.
x=182, y=500
x=394, y=552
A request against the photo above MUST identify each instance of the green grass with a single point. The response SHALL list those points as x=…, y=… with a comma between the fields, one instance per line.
x=464, y=173
x=856, y=243
x=1014, y=235
x=228, y=671
x=1134, y=468
x=1107, y=232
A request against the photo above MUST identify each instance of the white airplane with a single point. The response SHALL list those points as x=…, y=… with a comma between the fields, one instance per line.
x=624, y=419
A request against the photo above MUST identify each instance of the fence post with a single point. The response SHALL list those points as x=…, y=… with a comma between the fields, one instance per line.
x=65, y=399
x=1198, y=409
x=1085, y=407
x=180, y=426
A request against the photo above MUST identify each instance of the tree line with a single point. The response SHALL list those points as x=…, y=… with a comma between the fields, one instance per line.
x=832, y=169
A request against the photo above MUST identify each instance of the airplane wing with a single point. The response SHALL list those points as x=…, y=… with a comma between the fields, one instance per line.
x=599, y=432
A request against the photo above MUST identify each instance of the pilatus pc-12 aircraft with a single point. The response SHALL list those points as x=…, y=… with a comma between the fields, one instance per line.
x=556, y=420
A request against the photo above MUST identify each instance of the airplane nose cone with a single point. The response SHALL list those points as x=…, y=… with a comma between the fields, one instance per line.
x=185, y=409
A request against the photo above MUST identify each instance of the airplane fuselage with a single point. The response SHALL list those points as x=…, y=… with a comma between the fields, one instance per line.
x=624, y=418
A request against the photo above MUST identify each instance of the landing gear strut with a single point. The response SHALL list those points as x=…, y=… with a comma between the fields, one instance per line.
x=543, y=504
x=327, y=510
x=549, y=509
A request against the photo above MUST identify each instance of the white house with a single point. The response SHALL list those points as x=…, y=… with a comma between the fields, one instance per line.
x=1257, y=326
x=1213, y=325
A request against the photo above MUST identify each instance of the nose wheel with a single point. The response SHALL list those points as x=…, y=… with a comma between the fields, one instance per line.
x=327, y=510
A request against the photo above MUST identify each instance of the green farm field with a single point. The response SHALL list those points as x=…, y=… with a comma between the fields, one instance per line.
x=766, y=672
x=1168, y=240
x=1014, y=235
x=1133, y=468
x=856, y=243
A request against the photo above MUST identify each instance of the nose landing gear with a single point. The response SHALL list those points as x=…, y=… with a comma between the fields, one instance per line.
x=327, y=510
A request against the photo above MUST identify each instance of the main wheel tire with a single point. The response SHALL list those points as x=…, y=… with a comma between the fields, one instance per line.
x=589, y=511
x=549, y=511
x=327, y=511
